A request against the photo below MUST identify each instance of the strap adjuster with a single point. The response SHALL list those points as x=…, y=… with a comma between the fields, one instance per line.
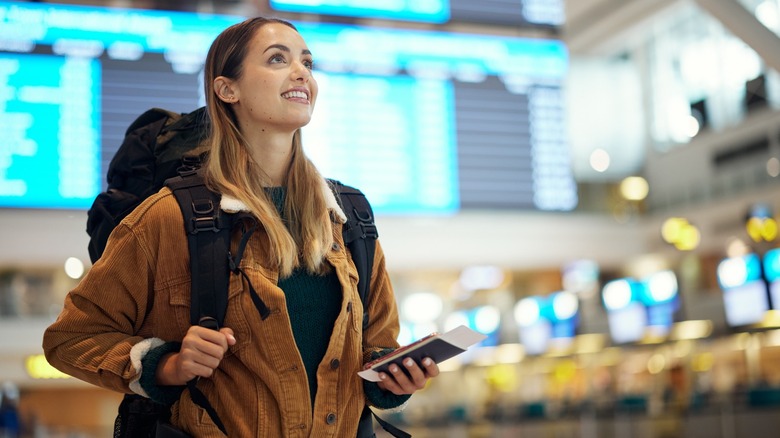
x=368, y=230
x=203, y=224
x=205, y=218
x=189, y=166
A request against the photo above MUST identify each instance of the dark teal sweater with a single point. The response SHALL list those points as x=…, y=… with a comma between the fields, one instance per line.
x=313, y=303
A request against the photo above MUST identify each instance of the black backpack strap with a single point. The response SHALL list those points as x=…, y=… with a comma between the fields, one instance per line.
x=208, y=236
x=392, y=430
x=360, y=236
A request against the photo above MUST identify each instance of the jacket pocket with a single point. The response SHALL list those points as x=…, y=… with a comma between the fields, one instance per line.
x=180, y=299
x=235, y=316
x=172, y=309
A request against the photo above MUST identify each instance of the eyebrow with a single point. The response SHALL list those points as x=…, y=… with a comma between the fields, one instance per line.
x=284, y=48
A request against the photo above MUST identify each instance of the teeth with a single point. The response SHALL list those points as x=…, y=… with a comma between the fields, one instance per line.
x=295, y=94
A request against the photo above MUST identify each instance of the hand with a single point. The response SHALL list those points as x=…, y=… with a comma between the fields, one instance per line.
x=398, y=382
x=202, y=350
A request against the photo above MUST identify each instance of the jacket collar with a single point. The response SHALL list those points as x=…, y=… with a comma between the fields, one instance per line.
x=233, y=205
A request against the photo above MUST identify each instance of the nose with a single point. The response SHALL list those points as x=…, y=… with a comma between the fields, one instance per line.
x=300, y=72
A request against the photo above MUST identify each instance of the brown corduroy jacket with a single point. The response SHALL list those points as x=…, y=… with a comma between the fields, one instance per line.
x=137, y=296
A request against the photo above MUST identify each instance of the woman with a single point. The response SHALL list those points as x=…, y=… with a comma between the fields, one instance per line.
x=126, y=325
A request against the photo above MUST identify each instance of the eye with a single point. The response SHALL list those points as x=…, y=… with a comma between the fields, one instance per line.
x=309, y=64
x=276, y=59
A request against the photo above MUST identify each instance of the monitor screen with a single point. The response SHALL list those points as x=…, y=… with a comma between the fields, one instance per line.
x=422, y=122
x=745, y=294
x=771, y=265
x=771, y=269
x=502, y=12
x=746, y=304
x=628, y=324
x=429, y=11
x=536, y=338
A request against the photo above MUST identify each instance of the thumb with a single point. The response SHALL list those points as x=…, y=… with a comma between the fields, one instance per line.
x=228, y=332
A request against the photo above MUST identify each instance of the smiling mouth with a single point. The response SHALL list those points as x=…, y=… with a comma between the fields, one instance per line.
x=296, y=94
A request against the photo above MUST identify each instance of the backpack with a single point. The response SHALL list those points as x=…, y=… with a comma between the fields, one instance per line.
x=161, y=148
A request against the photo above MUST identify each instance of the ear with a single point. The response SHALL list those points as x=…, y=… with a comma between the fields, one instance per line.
x=225, y=89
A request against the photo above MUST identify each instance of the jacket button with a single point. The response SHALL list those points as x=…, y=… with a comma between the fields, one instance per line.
x=335, y=247
x=331, y=418
x=334, y=364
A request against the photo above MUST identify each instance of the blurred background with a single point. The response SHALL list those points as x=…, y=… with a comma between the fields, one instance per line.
x=590, y=183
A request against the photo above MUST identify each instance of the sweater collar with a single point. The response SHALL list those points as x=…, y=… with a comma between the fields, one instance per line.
x=233, y=205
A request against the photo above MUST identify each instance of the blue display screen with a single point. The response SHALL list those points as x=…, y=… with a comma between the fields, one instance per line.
x=374, y=129
x=771, y=264
x=422, y=122
x=50, y=143
x=734, y=272
x=505, y=12
x=432, y=11
x=628, y=324
x=746, y=304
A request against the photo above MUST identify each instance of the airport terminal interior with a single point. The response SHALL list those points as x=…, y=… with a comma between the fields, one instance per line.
x=590, y=184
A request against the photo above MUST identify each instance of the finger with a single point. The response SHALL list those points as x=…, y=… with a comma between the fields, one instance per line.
x=192, y=360
x=416, y=373
x=193, y=348
x=194, y=369
x=401, y=379
x=206, y=354
x=213, y=336
x=229, y=335
x=209, y=348
x=388, y=383
x=212, y=342
x=431, y=367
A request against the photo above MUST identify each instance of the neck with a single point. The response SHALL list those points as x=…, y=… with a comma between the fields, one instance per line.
x=272, y=152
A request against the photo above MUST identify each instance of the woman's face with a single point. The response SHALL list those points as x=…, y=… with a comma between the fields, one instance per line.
x=276, y=91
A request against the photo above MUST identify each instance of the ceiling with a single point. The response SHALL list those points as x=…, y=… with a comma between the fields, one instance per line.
x=606, y=27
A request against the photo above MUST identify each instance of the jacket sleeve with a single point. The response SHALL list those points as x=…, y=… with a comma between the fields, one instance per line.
x=383, y=324
x=96, y=336
x=380, y=336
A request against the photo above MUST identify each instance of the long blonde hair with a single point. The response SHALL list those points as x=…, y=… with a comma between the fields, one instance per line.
x=307, y=236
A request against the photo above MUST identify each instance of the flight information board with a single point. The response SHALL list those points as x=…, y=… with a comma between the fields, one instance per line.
x=49, y=120
x=503, y=12
x=431, y=11
x=422, y=122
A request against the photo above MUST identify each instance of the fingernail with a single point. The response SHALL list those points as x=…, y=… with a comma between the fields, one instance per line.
x=382, y=376
x=408, y=362
x=394, y=369
x=232, y=338
x=427, y=362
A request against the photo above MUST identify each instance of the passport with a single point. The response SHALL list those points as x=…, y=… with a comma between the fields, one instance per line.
x=437, y=346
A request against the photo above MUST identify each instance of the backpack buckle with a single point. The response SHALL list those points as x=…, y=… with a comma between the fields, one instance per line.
x=368, y=230
x=204, y=224
x=205, y=217
x=189, y=166
x=366, y=223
